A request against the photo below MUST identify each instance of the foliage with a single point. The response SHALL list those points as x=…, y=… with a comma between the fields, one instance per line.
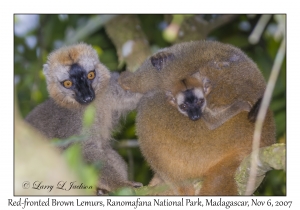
x=35, y=38
x=87, y=173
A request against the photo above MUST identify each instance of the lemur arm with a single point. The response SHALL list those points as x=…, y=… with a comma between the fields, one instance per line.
x=215, y=117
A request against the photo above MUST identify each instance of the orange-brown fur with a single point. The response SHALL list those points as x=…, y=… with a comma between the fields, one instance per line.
x=179, y=149
x=232, y=73
x=189, y=83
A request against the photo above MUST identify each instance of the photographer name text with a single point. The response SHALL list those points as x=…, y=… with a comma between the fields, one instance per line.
x=62, y=185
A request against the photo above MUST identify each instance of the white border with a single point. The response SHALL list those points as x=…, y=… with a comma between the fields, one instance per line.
x=154, y=6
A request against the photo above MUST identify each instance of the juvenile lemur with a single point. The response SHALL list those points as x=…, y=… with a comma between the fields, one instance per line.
x=178, y=148
x=189, y=97
x=75, y=78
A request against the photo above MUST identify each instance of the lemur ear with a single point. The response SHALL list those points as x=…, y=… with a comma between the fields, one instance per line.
x=171, y=99
x=160, y=59
x=207, y=86
x=45, y=69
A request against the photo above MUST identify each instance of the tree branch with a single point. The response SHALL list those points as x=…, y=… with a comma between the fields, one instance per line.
x=129, y=39
x=36, y=160
x=261, y=115
x=90, y=27
x=196, y=27
x=272, y=157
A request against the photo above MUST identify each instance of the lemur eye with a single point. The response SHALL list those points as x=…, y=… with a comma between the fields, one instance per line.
x=91, y=75
x=67, y=84
x=183, y=106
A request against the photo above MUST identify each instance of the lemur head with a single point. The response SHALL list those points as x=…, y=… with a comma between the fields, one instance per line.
x=75, y=75
x=189, y=96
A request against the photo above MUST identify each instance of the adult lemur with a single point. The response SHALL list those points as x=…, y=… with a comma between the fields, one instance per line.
x=180, y=149
x=75, y=78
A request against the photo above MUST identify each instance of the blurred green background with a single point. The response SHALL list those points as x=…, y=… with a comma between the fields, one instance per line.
x=35, y=36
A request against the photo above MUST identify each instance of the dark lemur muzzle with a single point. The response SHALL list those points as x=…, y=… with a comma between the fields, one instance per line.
x=84, y=92
x=194, y=113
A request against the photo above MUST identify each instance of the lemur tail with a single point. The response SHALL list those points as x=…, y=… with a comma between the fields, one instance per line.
x=254, y=111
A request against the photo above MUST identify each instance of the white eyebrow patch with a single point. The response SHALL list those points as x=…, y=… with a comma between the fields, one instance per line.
x=88, y=64
x=180, y=98
x=199, y=92
x=62, y=74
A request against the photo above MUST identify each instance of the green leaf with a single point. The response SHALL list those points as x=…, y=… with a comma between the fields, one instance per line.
x=86, y=173
x=89, y=116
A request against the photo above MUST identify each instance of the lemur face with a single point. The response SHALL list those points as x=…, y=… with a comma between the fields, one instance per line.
x=80, y=82
x=75, y=75
x=189, y=96
x=191, y=103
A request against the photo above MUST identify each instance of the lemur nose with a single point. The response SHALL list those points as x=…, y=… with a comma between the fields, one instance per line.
x=195, y=117
x=88, y=99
